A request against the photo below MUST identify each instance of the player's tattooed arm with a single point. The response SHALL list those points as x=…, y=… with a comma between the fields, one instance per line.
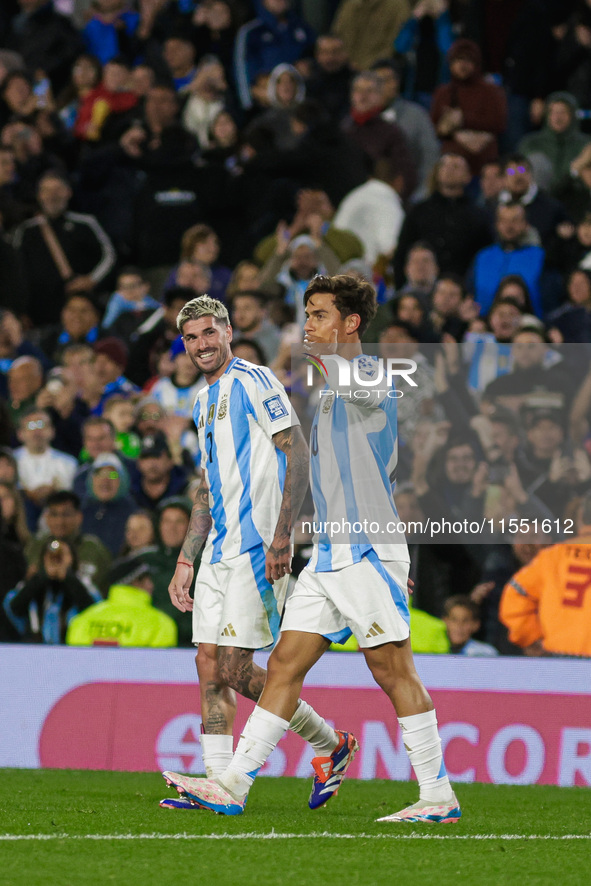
x=179, y=588
x=199, y=525
x=292, y=442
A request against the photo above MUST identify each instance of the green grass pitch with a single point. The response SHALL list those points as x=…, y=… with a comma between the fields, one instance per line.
x=73, y=827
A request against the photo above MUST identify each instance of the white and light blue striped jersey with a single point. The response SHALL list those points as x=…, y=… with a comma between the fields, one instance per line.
x=236, y=419
x=353, y=456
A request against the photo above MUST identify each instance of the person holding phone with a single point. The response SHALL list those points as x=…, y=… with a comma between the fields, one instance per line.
x=41, y=607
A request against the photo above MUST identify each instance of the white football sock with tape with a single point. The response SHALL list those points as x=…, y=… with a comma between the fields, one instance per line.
x=261, y=735
x=313, y=728
x=423, y=745
x=217, y=751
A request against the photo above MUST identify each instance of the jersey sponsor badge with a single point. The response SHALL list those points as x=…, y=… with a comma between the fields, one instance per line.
x=275, y=407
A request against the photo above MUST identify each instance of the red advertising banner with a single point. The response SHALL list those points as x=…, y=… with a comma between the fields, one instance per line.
x=510, y=738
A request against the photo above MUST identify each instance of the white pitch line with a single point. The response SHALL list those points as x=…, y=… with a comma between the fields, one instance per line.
x=274, y=836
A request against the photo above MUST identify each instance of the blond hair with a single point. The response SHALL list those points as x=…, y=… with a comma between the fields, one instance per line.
x=203, y=306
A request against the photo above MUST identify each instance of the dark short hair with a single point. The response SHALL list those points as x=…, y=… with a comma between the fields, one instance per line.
x=251, y=343
x=505, y=300
x=454, y=278
x=465, y=602
x=62, y=497
x=93, y=420
x=351, y=296
x=514, y=159
x=411, y=330
x=508, y=419
x=178, y=293
x=131, y=271
x=56, y=174
x=259, y=296
x=421, y=244
x=394, y=65
x=34, y=410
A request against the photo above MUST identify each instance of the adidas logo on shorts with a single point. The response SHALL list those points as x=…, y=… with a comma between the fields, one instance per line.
x=374, y=631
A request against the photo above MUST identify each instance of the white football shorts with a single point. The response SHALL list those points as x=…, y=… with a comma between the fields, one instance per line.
x=235, y=605
x=368, y=599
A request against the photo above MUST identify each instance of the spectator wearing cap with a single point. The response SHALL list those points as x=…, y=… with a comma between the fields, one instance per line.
x=107, y=503
x=155, y=476
x=110, y=360
x=469, y=113
x=61, y=252
x=98, y=437
x=127, y=617
x=250, y=320
x=176, y=393
x=172, y=521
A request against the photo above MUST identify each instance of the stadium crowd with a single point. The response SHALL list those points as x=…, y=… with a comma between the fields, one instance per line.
x=152, y=151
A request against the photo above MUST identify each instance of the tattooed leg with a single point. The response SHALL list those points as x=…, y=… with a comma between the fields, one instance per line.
x=239, y=671
x=218, y=699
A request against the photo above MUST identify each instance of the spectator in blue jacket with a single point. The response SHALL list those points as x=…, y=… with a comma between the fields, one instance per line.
x=111, y=31
x=515, y=252
x=276, y=35
x=424, y=40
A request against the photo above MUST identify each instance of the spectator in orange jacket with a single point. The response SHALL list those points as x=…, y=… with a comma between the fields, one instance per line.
x=547, y=604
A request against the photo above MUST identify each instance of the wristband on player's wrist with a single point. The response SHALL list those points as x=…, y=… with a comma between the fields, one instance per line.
x=184, y=563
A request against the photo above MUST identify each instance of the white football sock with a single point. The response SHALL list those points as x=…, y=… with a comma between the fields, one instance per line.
x=217, y=753
x=261, y=735
x=313, y=728
x=423, y=745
